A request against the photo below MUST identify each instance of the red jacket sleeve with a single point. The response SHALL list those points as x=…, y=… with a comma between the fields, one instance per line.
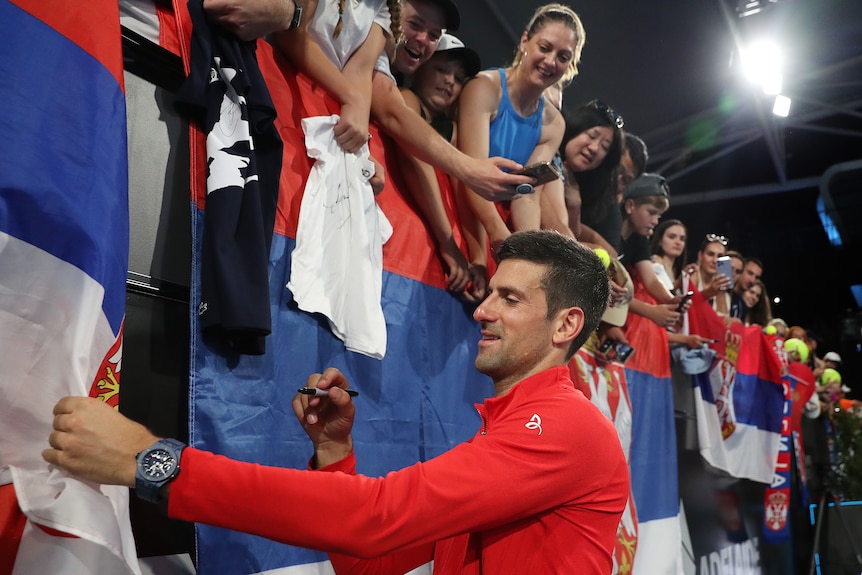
x=494, y=480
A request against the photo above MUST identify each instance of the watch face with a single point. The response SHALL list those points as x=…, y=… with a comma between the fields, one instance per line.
x=158, y=464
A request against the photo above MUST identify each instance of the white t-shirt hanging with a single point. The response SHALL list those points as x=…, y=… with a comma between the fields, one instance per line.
x=337, y=266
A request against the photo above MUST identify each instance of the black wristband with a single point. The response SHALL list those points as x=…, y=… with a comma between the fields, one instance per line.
x=297, y=16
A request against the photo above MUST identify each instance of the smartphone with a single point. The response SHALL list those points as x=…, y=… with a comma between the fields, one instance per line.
x=623, y=351
x=684, y=300
x=616, y=350
x=725, y=268
x=543, y=172
x=606, y=346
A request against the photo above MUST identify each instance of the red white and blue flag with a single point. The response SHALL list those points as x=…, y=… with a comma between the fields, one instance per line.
x=604, y=383
x=415, y=403
x=776, y=498
x=64, y=233
x=740, y=401
x=652, y=459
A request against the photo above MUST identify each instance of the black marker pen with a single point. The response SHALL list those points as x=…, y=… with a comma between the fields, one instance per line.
x=317, y=392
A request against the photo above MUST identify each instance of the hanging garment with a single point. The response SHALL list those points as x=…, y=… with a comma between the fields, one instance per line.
x=226, y=95
x=337, y=265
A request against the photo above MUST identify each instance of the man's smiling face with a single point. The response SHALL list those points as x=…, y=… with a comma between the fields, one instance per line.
x=423, y=23
x=516, y=332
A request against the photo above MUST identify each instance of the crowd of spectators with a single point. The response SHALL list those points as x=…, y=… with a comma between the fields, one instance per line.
x=463, y=132
x=398, y=64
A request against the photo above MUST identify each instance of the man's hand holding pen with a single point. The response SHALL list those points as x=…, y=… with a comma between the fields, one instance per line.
x=327, y=421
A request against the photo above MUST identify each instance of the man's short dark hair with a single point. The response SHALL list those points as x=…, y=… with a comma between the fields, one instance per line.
x=755, y=261
x=575, y=276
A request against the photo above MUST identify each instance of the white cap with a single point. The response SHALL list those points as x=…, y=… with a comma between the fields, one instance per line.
x=832, y=356
x=469, y=58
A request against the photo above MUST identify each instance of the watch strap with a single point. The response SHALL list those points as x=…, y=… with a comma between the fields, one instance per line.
x=297, y=16
x=146, y=488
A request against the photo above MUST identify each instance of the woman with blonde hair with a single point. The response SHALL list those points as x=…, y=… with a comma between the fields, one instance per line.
x=502, y=112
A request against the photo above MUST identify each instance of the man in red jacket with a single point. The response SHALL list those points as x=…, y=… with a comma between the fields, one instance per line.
x=540, y=488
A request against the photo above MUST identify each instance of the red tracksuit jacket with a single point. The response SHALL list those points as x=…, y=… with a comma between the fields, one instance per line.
x=539, y=489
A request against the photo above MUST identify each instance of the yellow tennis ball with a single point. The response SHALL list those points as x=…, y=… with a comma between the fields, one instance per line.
x=799, y=346
x=604, y=256
x=770, y=330
x=830, y=376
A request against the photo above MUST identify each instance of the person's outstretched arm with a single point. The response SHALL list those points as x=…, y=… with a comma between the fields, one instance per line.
x=250, y=19
x=350, y=86
x=654, y=286
x=484, y=176
x=424, y=188
x=93, y=441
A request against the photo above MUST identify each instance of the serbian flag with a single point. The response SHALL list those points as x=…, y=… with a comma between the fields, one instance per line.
x=64, y=236
x=414, y=404
x=652, y=459
x=799, y=386
x=740, y=401
x=803, y=387
x=604, y=384
x=776, y=498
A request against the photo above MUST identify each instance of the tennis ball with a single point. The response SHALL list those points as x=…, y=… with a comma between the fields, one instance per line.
x=604, y=256
x=799, y=346
x=770, y=330
x=830, y=376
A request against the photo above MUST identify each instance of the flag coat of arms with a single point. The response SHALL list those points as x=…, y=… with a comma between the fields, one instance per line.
x=739, y=402
x=63, y=259
x=604, y=383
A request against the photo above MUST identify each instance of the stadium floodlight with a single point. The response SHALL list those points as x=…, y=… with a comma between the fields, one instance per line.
x=781, y=107
x=762, y=63
x=772, y=84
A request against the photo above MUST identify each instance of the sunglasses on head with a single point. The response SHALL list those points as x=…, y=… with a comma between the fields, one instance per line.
x=716, y=238
x=615, y=118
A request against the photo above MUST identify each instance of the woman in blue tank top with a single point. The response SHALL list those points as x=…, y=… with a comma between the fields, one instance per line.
x=502, y=112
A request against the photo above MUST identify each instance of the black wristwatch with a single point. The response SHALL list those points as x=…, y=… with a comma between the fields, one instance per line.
x=297, y=16
x=157, y=465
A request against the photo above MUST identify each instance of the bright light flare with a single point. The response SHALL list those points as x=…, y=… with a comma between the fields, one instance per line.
x=762, y=63
x=772, y=84
x=781, y=107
